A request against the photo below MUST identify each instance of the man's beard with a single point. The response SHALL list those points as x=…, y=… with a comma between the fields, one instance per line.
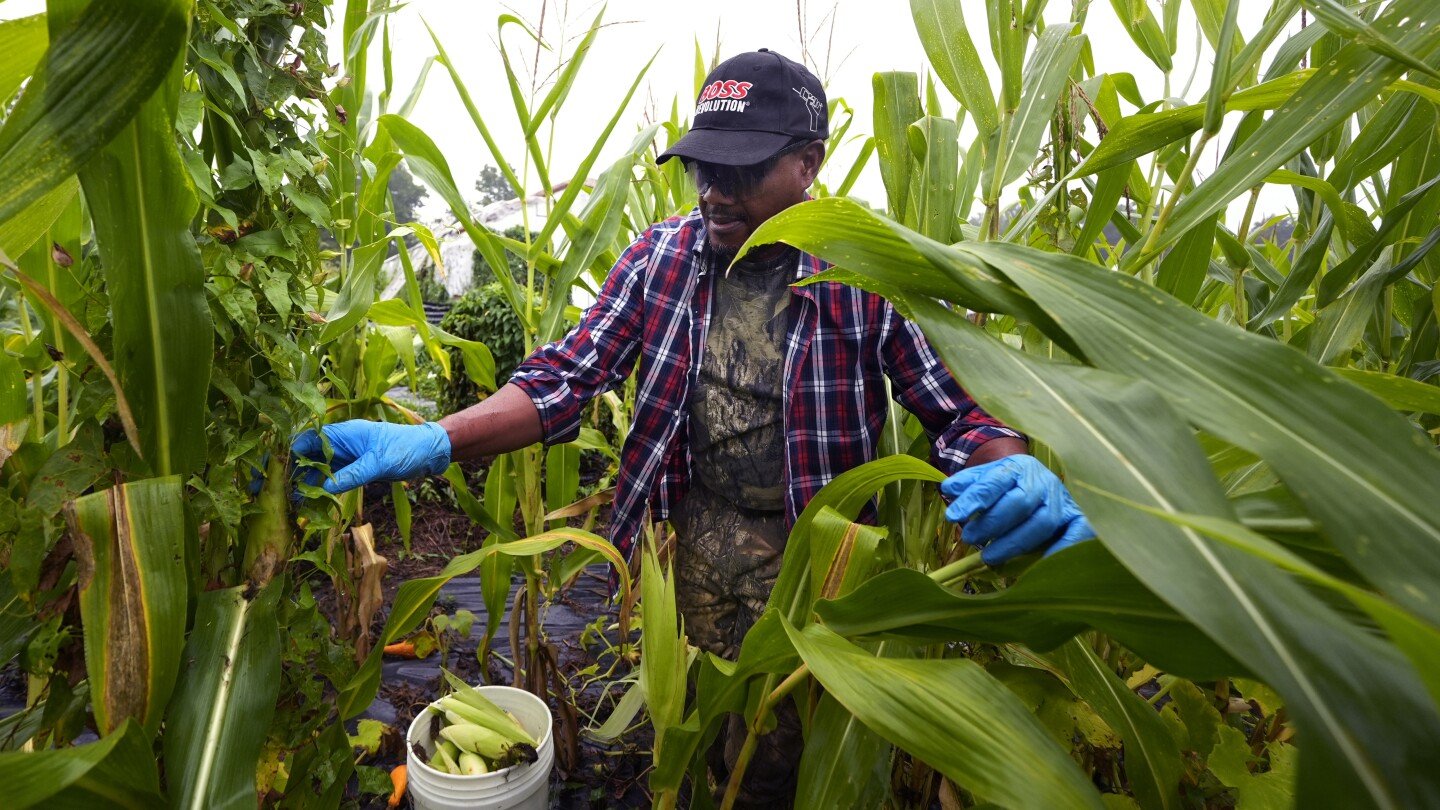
x=723, y=255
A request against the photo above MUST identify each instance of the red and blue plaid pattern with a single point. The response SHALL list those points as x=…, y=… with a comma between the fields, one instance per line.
x=655, y=307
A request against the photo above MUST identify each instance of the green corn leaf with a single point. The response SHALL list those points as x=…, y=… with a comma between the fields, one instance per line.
x=1109, y=188
x=1358, y=262
x=562, y=478
x=941, y=26
x=141, y=204
x=1210, y=15
x=662, y=663
x=938, y=155
x=1152, y=758
x=1220, y=77
x=1007, y=42
x=1293, y=50
x=500, y=496
x=952, y=715
x=1106, y=428
x=1145, y=32
x=1247, y=55
x=1340, y=86
x=99, y=68
x=496, y=569
x=403, y=520
x=117, y=771
x=1106, y=424
x=1417, y=638
x=1045, y=77
x=1344, y=22
x=40, y=264
x=1061, y=595
x=1330, y=460
x=861, y=161
x=1414, y=167
x=1354, y=224
x=1400, y=393
x=130, y=542
x=20, y=232
x=517, y=96
x=1342, y=322
x=844, y=764
x=582, y=172
x=842, y=553
x=897, y=106
x=1182, y=272
x=427, y=163
x=561, y=88
x=1142, y=133
x=496, y=155
x=1302, y=273
x=599, y=228
x=221, y=712
x=845, y=495
x=23, y=42
x=1403, y=119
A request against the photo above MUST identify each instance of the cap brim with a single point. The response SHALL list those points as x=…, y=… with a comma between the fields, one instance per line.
x=727, y=147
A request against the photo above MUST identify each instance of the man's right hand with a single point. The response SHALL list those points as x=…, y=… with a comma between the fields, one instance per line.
x=367, y=451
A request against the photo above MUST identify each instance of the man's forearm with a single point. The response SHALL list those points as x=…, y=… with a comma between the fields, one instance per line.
x=996, y=449
x=503, y=422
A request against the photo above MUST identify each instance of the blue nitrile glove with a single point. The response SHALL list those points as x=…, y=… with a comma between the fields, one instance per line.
x=367, y=451
x=1014, y=506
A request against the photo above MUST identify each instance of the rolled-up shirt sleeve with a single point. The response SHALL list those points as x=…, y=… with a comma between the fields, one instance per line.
x=953, y=420
x=595, y=357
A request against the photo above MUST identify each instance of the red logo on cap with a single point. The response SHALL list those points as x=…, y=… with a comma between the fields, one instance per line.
x=726, y=89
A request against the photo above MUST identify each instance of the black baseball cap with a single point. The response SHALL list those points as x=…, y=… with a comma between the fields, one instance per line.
x=752, y=106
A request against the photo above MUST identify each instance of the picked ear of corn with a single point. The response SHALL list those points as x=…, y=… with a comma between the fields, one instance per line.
x=471, y=764
x=473, y=736
x=497, y=721
x=477, y=740
x=483, y=712
x=445, y=752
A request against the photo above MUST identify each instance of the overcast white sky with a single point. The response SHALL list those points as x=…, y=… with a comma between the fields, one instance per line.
x=846, y=41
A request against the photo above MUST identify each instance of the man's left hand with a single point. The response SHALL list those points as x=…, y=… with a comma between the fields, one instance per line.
x=1014, y=506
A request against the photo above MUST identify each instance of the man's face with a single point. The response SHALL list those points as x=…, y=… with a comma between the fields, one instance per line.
x=732, y=214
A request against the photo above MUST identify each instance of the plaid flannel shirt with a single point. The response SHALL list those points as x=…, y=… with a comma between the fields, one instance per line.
x=654, y=308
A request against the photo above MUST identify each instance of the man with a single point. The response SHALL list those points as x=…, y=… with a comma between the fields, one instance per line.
x=752, y=394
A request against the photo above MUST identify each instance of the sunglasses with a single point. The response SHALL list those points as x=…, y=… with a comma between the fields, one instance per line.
x=736, y=182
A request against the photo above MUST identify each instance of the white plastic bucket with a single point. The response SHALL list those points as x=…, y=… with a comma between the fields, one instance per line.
x=520, y=787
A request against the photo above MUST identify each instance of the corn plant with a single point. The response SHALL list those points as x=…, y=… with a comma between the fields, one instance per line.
x=1252, y=553
x=164, y=291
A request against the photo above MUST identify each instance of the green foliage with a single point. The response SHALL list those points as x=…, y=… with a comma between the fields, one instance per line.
x=1246, y=561
x=406, y=195
x=482, y=314
x=432, y=290
x=482, y=274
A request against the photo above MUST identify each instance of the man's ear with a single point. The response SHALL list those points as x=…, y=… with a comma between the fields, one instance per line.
x=811, y=158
